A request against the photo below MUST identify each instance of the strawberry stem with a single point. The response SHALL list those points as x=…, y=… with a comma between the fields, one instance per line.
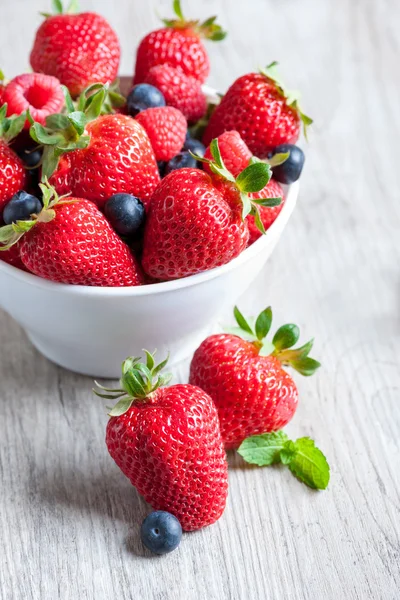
x=209, y=29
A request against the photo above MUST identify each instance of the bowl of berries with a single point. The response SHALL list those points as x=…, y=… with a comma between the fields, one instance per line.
x=133, y=218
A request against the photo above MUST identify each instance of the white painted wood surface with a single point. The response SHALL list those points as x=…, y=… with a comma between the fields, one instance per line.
x=69, y=520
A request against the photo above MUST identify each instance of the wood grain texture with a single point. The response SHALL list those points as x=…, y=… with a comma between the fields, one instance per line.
x=69, y=520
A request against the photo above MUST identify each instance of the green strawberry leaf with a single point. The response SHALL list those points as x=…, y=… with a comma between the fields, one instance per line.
x=73, y=7
x=269, y=202
x=254, y=177
x=178, y=10
x=241, y=321
x=309, y=464
x=149, y=359
x=68, y=100
x=121, y=407
x=57, y=7
x=263, y=323
x=57, y=121
x=44, y=135
x=264, y=449
x=257, y=219
x=305, y=365
x=286, y=336
x=78, y=121
x=278, y=159
x=246, y=205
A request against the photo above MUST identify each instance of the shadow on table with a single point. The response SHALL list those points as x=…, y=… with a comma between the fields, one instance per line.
x=107, y=493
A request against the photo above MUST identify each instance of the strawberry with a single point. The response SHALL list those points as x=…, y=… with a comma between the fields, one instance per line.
x=99, y=157
x=268, y=214
x=179, y=45
x=261, y=110
x=167, y=441
x=42, y=95
x=13, y=258
x=13, y=176
x=78, y=49
x=245, y=377
x=166, y=127
x=235, y=153
x=195, y=224
x=70, y=241
x=179, y=90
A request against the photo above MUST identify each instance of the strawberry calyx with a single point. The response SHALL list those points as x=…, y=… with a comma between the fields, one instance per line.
x=66, y=132
x=292, y=97
x=253, y=178
x=11, y=234
x=113, y=98
x=10, y=127
x=282, y=342
x=209, y=29
x=58, y=8
x=137, y=382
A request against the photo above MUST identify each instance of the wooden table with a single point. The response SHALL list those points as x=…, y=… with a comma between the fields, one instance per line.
x=69, y=519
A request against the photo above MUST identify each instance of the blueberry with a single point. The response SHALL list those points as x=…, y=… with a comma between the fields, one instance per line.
x=161, y=532
x=20, y=208
x=144, y=96
x=125, y=213
x=289, y=171
x=181, y=161
x=194, y=146
x=31, y=158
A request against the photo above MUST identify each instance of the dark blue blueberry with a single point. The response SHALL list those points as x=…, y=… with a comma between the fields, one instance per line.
x=161, y=532
x=289, y=171
x=125, y=213
x=20, y=208
x=142, y=96
x=31, y=158
x=181, y=161
x=161, y=167
x=194, y=146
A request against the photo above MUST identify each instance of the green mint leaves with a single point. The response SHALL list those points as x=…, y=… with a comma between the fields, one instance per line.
x=302, y=457
x=292, y=97
x=282, y=343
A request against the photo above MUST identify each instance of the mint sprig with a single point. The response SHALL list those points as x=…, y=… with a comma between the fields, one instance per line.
x=302, y=457
x=282, y=342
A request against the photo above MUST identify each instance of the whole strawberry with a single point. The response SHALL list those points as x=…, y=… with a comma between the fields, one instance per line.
x=195, y=224
x=13, y=176
x=96, y=156
x=237, y=156
x=70, y=241
x=179, y=90
x=261, y=110
x=166, y=127
x=78, y=49
x=179, y=45
x=246, y=379
x=167, y=441
x=41, y=95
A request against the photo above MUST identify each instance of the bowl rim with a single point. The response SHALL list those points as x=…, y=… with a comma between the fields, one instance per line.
x=166, y=286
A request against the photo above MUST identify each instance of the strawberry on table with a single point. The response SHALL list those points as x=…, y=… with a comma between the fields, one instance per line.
x=258, y=106
x=78, y=49
x=179, y=90
x=195, y=224
x=166, y=127
x=167, y=441
x=13, y=176
x=244, y=375
x=95, y=157
x=179, y=45
x=70, y=241
x=41, y=94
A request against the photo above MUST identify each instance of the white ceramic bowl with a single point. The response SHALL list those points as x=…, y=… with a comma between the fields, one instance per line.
x=91, y=330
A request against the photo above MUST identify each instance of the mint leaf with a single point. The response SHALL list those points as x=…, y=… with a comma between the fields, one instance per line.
x=263, y=323
x=264, y=449
x=287, y=452
x=309, y=464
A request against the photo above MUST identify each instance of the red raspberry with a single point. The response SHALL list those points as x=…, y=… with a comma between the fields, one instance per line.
x=41, y=94
x=166, y=128
x=179, y=90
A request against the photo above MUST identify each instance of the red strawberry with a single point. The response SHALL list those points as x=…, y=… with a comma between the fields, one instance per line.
x=179, y=90
x=167, y=441
x=179, y=45
x=42, y=95
x=245, y=377
x=261, y=110
x=78, y=49
x=107, y=155
x=13, y=176
x=195, y=223
x=166, y=128
x=237, y=156
x=71, y=241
